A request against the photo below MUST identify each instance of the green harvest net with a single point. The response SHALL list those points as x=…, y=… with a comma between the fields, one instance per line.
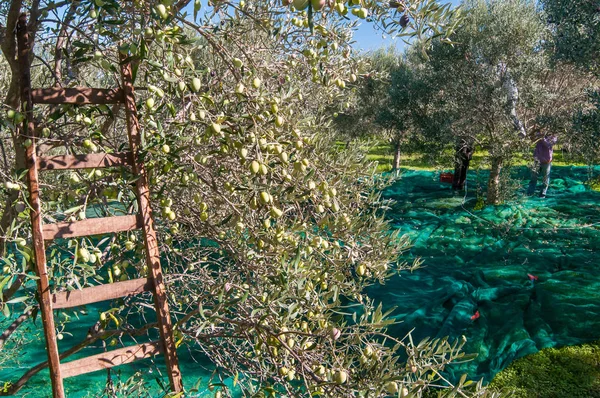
x=481, y=261
x=473, y=261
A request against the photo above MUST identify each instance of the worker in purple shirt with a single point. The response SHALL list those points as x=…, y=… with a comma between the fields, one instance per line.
x=542, y=157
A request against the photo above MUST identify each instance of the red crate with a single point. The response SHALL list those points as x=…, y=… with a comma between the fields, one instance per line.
x=446, y=177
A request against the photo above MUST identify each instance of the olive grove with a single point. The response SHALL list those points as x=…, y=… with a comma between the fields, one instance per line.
x=269, y=232
x=495, y=86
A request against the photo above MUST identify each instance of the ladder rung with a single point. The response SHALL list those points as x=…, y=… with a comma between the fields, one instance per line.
x=89, y=295
x=76, y=95
x=85, y=161
x=91, y=226
x=110, y=359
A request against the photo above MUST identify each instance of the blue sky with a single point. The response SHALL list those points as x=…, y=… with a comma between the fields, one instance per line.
x=368, y=38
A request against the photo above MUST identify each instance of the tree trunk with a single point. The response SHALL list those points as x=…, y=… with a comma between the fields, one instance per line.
x=493, y=191
x=8, y=47
x=12, y=99
x=396, y=164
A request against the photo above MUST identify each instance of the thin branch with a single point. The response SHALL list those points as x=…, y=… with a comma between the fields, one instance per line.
x=9, y=292
x=221, y=51
x=55, y=6
x=61, y=42
x=11, y=329
x=47, y=65
x=16, y=387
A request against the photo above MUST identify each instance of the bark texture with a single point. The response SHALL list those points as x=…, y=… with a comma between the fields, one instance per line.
x=493, y=191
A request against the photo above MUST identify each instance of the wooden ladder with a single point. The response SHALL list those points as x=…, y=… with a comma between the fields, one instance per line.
x=97, y=226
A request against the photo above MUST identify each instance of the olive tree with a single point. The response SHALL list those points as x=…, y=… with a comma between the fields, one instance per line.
x=412, y=107
x=269, y=232
x=576, y=34
x=388, y=102
x=496, y=59
x=576, y=41
x=364, y=114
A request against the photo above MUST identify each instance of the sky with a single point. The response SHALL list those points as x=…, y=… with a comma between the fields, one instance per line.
x=368, y=38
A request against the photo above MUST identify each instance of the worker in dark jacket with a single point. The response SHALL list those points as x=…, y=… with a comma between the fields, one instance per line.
x=542, y=162
x=464, y=153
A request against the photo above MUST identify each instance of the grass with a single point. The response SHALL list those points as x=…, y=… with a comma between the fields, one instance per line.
x=384, y=154
x=572, y=372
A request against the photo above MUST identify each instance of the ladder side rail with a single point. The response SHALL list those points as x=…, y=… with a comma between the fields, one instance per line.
x=24, y=49
x=151, y=245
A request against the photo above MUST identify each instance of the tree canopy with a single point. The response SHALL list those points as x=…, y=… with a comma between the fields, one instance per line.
x=576, y=32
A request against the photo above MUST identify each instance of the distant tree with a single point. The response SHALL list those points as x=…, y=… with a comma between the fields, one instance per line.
x=576, y=31
x=576, y=40
x=406, y=97
x=387, y=102
x=557, y=103
x=359, y=116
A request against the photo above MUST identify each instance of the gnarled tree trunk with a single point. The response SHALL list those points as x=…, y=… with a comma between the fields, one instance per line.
x=8, y=45
x=493, y=190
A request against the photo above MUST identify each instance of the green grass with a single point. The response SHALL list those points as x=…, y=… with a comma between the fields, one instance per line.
x=384, y=155
x=572, y=372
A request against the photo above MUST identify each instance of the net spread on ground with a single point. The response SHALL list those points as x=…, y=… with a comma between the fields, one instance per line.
x=529, y=267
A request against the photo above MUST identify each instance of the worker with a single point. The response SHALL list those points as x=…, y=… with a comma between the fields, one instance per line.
x=464, y=153
x=542, y=162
